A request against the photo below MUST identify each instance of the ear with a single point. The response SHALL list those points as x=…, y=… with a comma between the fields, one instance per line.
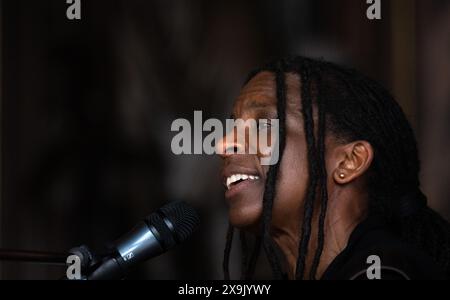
x=354, y=159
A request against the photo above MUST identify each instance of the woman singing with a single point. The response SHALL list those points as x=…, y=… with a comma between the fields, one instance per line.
x=344, y=199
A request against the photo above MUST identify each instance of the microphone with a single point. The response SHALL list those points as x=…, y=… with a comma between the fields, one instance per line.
x=168, y=226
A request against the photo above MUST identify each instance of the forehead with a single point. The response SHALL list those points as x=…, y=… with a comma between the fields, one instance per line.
x=260, y=94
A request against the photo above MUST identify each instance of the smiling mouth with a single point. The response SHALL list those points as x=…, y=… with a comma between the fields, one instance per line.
x=237, y=179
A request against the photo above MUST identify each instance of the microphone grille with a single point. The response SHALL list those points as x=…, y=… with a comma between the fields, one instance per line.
x=183, y=217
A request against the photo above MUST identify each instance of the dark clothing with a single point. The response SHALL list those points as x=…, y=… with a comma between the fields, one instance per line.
x=398, y=260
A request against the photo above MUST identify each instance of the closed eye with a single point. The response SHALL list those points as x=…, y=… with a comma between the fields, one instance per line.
x=264, y=124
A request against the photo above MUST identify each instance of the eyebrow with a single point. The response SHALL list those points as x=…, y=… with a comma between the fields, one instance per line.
x=253, y=103
x=256, y=105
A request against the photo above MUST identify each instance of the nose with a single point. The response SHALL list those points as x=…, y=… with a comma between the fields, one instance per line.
x=230, y=144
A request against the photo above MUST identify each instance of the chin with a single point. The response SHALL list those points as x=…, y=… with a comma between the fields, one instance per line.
x=245, y=217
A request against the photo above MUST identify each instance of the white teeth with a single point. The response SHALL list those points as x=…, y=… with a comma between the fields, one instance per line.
x=233, y=178
x=228, y=182
x=236, y=177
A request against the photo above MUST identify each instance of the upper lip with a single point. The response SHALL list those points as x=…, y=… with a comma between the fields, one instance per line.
x=234, y=170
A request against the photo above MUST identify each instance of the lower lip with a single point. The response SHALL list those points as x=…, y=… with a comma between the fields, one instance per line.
x=240, y=187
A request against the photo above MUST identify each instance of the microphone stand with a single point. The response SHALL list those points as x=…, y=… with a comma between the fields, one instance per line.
x=88, y=259
x=49, y=258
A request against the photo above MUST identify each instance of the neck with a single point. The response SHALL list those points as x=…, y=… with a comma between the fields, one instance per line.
x=343, y=215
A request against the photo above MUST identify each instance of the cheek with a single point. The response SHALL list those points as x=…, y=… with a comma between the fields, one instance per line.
x=292, y=183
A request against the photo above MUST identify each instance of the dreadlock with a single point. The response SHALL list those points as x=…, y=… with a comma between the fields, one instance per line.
x=351, y=107
x=227, y=252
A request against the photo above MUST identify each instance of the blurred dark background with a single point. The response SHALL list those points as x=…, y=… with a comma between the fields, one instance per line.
x=86, y=108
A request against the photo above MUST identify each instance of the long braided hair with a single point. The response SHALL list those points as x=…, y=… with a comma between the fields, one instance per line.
x=351, y=107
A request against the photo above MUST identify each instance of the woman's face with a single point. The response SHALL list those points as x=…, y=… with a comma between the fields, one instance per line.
x=257, y=100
